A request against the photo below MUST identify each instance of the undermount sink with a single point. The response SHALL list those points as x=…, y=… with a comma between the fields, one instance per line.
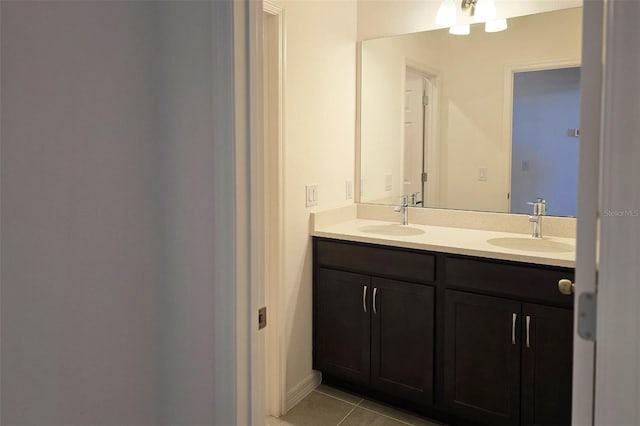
x=391, y=229
x=532, y=244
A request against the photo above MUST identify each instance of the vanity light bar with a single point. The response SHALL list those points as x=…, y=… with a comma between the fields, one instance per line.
x=480, y=10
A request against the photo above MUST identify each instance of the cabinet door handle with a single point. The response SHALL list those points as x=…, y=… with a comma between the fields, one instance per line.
x=364, y=299
x=375, y=291
x=514, y=317
x=528, y=324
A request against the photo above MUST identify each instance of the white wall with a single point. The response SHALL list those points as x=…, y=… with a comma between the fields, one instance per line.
x=110, y=214
x=319, y=148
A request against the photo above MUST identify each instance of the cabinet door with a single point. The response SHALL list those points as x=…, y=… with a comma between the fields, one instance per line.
x=482, y=358
x=547, y=359
x=341, y=343
x=402, y=339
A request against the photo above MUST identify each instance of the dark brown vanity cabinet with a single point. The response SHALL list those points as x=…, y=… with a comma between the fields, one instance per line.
x=372, y=331
x=507, y=362
x=482, y=358
x=547, y=360
x=463, y=339
x=342, y=325
x=402, y=333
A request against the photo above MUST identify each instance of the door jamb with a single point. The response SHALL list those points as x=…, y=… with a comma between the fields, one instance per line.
x=273, y=190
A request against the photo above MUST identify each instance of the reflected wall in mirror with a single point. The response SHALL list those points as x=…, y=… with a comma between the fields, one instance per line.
x=436, y=113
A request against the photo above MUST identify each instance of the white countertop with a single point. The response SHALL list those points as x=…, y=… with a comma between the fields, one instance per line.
x=547, y=251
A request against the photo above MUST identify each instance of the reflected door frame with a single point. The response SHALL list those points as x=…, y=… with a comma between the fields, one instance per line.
x=507, y=121
x=430, y=188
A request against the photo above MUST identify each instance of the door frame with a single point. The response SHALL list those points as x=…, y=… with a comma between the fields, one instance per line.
x=507, y=113
x=273, y=193
x=431, y=123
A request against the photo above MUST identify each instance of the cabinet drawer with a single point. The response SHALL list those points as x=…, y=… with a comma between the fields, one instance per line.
x=536, y=283
x=399, y=264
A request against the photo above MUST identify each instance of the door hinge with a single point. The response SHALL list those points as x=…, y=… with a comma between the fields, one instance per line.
x=425, y=100
x=425, y=176
x=587, y=313
x=262, y=318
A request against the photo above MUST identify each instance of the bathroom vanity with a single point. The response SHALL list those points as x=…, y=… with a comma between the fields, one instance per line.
x=464, y=338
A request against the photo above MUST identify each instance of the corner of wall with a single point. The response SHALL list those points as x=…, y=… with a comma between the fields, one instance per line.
x=298, y=392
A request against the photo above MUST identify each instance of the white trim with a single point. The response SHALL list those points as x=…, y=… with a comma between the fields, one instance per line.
x=507, y=112
x=275, y=389
x=302, y=389
x=357, y=178
x=271, y=8
x=256, y=212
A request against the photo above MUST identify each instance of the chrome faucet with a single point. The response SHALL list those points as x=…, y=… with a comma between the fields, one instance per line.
x=403, y=209
x=539, y=210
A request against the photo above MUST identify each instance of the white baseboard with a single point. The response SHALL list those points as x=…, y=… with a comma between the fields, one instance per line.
x=302, y=389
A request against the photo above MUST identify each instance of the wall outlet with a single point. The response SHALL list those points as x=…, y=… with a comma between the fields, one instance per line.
x=348, y=189
x=482, y=174
x=388, y=182
x=312, y=195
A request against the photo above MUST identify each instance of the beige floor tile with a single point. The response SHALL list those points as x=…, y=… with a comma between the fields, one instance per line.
x=317, y=410
x=362, y=417
x=396, y=413
x=340, y=394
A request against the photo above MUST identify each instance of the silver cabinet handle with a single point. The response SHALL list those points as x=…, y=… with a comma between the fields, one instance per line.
x=528, y=317
x=514, y=317
x=364, y=299
x=375, y=291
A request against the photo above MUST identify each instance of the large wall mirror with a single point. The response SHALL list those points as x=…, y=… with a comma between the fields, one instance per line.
x=486, y=121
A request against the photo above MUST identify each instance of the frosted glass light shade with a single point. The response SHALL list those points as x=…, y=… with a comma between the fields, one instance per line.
x=495, y=25
x=446, y=13
x=460, y=29
x=485, y=11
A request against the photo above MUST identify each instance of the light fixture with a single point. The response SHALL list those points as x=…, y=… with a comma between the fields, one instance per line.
x=446, y=13
x=460, y=29
x=495, y=25
x=485, y=11
x=480, y=10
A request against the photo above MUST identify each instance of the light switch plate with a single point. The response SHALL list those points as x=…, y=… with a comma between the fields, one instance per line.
x=482, y=174
x=312, y=195
x=388, y=182
x=348, y=189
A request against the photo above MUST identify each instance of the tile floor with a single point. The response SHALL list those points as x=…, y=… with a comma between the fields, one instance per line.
x=327, y=406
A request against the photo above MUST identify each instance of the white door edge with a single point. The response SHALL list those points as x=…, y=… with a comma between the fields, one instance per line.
x=588, y=203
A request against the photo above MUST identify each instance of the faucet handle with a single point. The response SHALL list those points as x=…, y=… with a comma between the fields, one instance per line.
x=539, y=206
x=414, y=198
